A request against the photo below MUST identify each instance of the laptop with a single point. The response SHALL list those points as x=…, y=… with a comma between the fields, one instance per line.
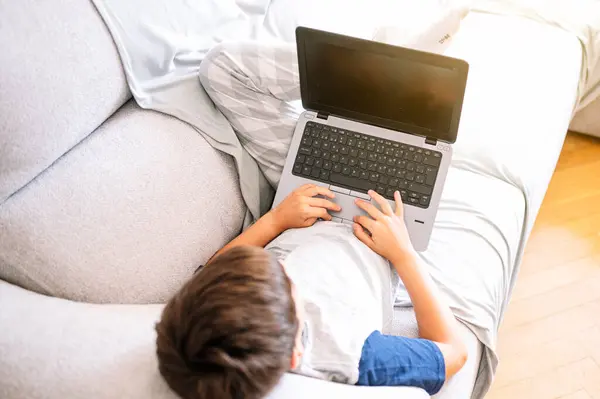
x=377, y=117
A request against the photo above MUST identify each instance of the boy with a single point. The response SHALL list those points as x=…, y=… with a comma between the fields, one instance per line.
x=294, y=293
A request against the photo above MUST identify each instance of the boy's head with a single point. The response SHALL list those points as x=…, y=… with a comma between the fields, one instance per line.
x=232, y=330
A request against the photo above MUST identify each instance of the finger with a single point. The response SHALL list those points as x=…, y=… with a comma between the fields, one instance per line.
x=304, y=187
x=323, y=203
x=321, y=213
x=383, y=204
x=319, y=190
x=362, y=235
x=369, y=208
x=365, y=222
x=399, y=204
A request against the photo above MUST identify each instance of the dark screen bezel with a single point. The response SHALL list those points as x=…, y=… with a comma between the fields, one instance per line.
x=307, y=36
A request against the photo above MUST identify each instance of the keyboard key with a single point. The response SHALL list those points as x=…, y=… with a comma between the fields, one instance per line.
x=306, y=170
x=327, y=165
x=413, y=201
x=352, y=161
x=391, y=161
x=408, y=156
x=414, y=195
x=393, y=182
x=427, y=152
x=335, y=158
x=401, y=164
x=372, y=166
x=410, y=176
x=430, y=174
x=374, y=177
x=420, y=179
x=301, y=158
x=355, y=172
x=420, y=169
x=342, y=139
x=344, y=160
x=418, y=158
x=326, y=146
x=297, y=168
x=437, y=154
x=361, y=144
x=380, y=190
x=371, y=146
x=381, y=158
x=411, y=148
x=317, y=153
x=402, y=184
x=316, y=143
x=401, y=174
x=353, y=152
x=324, y=175
x=335, y=148
x=362, y=154
x=389, y=192
x=392, y=171
x=362, y=164
x=424, y=200
x=346, y=170
x=431, y=161
x=326, y=155
x=324, y=135
x=333, y=137
x=315, y=172
x=319, y=163
x=364, y=175
x=382, y=169
x=305, y=150
x=337, y=167
x=344, y=150
x=383, y=179
x=309, y=161
x=306, y=140
x=419, y=150
x=403, y=195
x=337, y=178
x=419, y=188
x=351, y=142
x=389, y=151
x=410, y=166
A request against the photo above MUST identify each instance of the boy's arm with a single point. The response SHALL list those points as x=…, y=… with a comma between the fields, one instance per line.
x=390, y=239
x=299, y=209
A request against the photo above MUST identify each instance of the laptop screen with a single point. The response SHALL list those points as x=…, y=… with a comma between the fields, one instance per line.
x=393, y=87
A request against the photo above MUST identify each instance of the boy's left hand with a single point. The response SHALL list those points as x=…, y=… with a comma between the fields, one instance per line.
x=301, y=209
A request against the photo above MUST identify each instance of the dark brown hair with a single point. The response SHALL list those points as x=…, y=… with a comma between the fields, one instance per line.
x=230, y=331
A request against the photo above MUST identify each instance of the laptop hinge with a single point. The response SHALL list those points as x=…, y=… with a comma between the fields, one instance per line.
x=430, y=141
x=322, y=115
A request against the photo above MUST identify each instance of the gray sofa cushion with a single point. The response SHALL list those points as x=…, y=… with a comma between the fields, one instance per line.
x=125, y=217
x=60, y=78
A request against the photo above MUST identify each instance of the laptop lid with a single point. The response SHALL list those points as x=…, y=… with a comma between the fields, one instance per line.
x=393, y=87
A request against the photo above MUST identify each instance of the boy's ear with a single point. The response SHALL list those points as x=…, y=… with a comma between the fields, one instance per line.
x=296, y=358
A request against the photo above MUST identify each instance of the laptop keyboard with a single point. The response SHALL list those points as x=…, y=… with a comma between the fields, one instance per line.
x=360, y=162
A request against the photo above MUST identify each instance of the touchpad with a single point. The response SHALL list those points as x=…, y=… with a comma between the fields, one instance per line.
x=349, y=208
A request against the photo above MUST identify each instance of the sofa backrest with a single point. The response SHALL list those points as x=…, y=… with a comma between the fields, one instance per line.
x=60, y=78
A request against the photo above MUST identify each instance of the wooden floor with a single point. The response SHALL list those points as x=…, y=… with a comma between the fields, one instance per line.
x=549, y=342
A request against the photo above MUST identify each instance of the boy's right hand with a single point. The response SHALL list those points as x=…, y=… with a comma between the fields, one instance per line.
x=389, y=236
x=302, y=209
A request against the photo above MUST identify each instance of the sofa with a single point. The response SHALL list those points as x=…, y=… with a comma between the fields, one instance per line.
x=107, y=208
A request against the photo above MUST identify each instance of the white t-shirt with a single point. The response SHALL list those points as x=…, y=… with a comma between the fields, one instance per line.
x=348, y=292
